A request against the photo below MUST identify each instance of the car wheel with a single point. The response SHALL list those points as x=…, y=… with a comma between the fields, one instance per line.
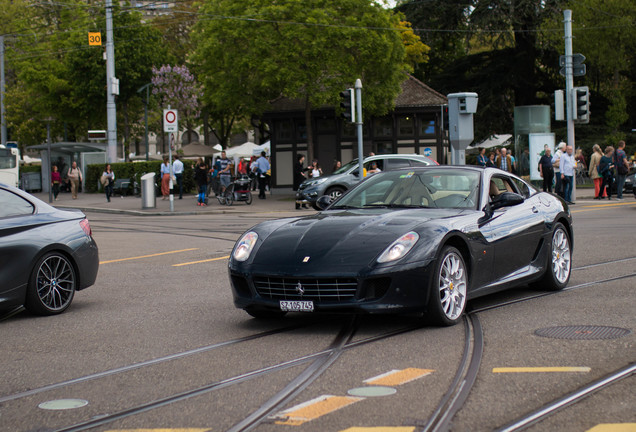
x=265, y=313
x=335, y=192
x=450, y=284
x=559, y=265
x=51, y=286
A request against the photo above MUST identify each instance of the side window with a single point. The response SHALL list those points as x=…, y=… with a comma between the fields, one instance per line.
x=522, y=187
x=378, y=162
x=499, y=185
x=397, y=163
x=13, y=205
x=419, y=163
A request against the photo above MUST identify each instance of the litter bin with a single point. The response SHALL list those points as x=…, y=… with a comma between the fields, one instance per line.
x=148, y=197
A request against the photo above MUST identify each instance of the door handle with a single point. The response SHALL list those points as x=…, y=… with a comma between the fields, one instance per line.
x=535, y=209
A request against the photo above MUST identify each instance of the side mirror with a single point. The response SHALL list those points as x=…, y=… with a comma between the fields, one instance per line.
x=323, y=202
x=506, y=199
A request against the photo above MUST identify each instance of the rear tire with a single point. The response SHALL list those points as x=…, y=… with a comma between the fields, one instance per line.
x=51, y=286
x=559, y=262
x=449, y=287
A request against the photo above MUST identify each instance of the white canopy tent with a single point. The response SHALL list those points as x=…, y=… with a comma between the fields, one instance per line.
x=501, y=140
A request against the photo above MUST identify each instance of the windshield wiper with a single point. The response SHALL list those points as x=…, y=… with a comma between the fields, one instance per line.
x=395, y=206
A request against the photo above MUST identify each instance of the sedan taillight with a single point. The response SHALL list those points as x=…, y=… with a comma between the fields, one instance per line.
x=86, y=227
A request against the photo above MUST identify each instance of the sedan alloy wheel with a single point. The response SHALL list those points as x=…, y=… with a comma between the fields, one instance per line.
x=52, y=285
x=448, y=299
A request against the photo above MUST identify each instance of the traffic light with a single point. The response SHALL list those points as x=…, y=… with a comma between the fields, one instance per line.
x=445, y=118
x=581, y=111
x=348, y=105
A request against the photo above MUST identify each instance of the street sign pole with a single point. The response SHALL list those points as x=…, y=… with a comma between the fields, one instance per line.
x=111, y=110
x=569, y=85
x=170, y=125
x=358, y=90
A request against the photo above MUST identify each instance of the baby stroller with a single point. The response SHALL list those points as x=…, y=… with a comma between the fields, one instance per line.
x=238, y=190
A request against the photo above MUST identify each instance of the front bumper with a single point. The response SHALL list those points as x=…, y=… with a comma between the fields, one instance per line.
x=394, y=289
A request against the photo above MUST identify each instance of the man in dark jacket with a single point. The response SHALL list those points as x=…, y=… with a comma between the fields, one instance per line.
x=299, y=177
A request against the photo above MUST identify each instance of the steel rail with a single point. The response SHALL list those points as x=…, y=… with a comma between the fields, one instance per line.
x=456, y=395
x=302, y=381
x=109, y=418
x=569, y=399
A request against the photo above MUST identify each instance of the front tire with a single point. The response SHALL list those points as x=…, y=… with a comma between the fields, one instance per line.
x=335, y=192
x=52, y=285
x=447, y=300
x=559, y=263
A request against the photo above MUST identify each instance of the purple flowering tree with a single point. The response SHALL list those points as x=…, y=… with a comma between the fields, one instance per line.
x=176, y=86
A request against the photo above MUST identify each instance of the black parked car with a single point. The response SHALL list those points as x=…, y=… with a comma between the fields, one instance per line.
x=46, y=254
x=420, y=239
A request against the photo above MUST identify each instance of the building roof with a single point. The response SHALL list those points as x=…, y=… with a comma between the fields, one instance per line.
x=414, y=94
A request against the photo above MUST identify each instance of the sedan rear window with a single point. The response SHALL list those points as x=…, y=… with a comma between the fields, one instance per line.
x=13, y=205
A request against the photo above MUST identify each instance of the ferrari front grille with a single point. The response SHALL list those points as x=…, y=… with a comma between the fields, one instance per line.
x=320, y=290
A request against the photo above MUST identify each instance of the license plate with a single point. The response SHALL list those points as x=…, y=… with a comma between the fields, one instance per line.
x=296, y=306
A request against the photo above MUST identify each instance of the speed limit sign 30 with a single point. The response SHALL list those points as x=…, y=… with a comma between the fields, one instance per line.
x=170, y=120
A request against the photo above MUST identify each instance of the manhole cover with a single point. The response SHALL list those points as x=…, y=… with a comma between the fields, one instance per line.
x=582, y=332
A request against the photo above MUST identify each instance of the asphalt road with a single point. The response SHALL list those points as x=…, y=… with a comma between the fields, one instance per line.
x=158, y=344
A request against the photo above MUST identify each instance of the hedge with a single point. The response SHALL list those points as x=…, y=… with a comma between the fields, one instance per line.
x=134, y=170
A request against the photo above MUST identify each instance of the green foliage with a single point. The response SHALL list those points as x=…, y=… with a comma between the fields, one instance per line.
x=134, y=171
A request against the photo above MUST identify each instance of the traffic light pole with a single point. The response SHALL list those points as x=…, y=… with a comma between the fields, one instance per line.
x=358, y=90
x=569, y=85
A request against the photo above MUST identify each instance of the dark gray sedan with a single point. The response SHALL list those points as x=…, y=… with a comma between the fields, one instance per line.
x=46, y=254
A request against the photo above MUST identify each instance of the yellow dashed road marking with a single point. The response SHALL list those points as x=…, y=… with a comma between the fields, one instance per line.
x=147, y=256
x=380, y=429
x=600, y=207
x=202, y=261
x=614, y=427
x=398, y=377
x=541, y=369
x=313, y=409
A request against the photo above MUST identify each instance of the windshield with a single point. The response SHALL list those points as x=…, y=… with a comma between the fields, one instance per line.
x=436, y=188
x=7, y=159
x=346, y=167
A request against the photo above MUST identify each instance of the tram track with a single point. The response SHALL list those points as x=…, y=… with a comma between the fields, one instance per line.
x=320, y=361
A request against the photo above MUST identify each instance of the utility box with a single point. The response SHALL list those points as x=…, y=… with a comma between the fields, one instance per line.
x=461, y=107
x=148, y=196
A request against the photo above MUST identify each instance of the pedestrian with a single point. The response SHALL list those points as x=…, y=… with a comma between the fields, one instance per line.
x=107, y=180
x=201, y=179
x=336, y=166
x=75, y=177
x=579, y=157
x=567, y=165
x=165, y=178
x=490, y=163
x=316, y=171
x=213, y=185
x=606, y=168
x=482, y=159
x=299, y=177
x=225, y=172
x=556, y=160
x=55, y=181
x=594, y=172
x=177, y=170
x=262, y=166
x=546, y=170
x=242, y=167
x=524, y=163
x=513, y=162
x=503, y=161
x=622, y=168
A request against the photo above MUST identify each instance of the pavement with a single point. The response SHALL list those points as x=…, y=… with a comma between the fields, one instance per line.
x=277, y=201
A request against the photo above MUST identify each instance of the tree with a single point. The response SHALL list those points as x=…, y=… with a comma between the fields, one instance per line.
x=306, y=50
x=176, y=87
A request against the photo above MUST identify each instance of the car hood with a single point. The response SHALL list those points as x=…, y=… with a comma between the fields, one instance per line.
x=351, y=238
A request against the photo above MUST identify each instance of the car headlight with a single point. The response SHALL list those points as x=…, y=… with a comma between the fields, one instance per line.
x=244, y=246
x=316, y=181
x=399, y=248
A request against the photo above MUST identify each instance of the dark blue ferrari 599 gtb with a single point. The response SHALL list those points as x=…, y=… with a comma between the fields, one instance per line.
x=46, y=254
x=413, y=240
